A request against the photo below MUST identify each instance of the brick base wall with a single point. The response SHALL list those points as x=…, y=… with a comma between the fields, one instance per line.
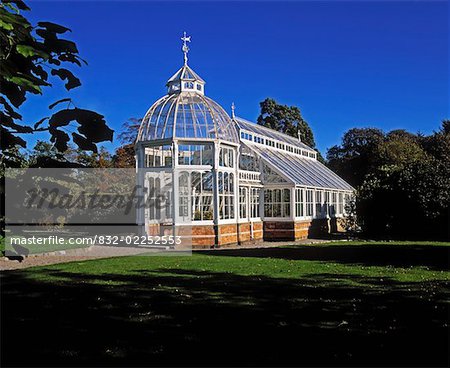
x=301, y=229
x=297, y=230
x=245, y=232
x=278, y=230
x=208, y=236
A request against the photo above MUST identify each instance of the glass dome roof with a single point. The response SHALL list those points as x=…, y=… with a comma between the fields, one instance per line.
x=187, y=115
x=185, y=112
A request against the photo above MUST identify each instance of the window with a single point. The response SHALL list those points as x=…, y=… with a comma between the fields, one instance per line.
x=226, y=195
x=248, y=160
x=327, y=203
x=340, y=209
x=277, y=202
x=195, y=196
x=333, y=206
x=347, y=201
x=226, y=158
x=309, y=202
x=199, y=87
x=158, y=156
x=258, y=139
x=319, y=204
x=202, y=195
x=254, y=202
x=153, y=191
x=243, y=202
x=195, y=154
x=189, y=85
x=299, y=202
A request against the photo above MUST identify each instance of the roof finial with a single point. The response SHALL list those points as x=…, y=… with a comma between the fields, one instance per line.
x=232, y=110
x=185, y=47
x=299, y=135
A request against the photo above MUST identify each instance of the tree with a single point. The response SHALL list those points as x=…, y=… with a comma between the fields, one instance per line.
x=130, y=131
x=31, y=57
x=100, y=159
x=285, y=119
x=355, y=157
x=124, y=155
x=402, y=181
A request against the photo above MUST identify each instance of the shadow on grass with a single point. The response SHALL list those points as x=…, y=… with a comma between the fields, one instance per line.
x=433, y=257
x=188, y=317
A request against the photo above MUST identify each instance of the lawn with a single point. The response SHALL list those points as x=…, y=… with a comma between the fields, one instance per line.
x=318, y=305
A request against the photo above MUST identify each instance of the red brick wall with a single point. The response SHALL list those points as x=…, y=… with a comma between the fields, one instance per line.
x=227, y=234
x=196, y=236
x=279, y=230
x=290, y=230
x=244, y=232
x=302, y=229
x=204, y=236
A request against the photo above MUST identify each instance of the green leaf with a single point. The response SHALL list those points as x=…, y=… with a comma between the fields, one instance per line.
x=29, y=51
x=6, y=26
x=64, y=74
x=58, y=102
x=25, y=83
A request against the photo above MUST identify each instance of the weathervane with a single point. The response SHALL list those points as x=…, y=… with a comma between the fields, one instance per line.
x=185, y=47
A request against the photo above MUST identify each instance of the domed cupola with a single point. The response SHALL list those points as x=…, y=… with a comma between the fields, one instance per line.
x=185, y=80
x=185, y=112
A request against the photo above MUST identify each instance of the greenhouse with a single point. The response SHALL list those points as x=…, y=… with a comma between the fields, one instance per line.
x=220, y=179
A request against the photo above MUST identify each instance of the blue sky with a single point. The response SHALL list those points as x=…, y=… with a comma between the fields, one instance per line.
x=345, y=64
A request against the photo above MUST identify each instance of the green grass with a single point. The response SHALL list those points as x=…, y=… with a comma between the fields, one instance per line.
x=341, y=303
x=265, y=265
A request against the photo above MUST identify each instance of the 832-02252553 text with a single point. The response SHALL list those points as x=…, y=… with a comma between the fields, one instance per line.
x=119, y=240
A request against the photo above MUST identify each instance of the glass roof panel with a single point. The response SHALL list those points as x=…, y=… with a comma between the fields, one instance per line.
x=301, y=171
x=193, y=116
